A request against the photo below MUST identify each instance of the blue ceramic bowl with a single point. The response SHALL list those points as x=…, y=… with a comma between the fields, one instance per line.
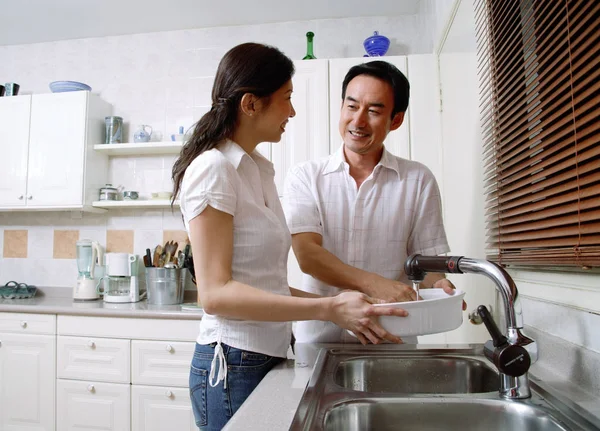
x=376, y=45
x=64, y=86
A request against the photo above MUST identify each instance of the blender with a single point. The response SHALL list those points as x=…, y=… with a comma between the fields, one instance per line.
x=88, y=253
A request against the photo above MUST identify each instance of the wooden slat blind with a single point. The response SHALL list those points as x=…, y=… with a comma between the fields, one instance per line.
x=540, y=114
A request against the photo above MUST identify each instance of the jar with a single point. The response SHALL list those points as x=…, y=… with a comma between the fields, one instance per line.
x=109, y=193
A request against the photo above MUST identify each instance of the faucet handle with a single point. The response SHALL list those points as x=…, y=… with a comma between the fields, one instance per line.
x=491, y=326
x=510, y=359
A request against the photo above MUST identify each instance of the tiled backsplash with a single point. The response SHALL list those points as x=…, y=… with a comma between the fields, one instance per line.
x=39, y=247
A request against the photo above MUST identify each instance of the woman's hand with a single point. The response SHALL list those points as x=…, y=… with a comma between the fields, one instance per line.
x=355, y=311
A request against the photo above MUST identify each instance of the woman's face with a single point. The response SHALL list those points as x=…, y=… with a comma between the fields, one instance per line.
x=273, y=118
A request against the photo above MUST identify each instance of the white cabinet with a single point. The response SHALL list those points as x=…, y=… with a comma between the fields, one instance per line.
x=306, y=134
x=27, y=372
x=54, y=165
x=122, y=374
x=14, y=142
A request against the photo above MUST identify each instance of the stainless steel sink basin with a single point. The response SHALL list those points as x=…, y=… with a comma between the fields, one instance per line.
x=417, y=375
x=436, y=414
x=391, y=387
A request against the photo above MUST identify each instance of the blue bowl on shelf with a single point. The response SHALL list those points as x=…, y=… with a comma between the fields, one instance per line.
x=376, y=45
x=64, y=86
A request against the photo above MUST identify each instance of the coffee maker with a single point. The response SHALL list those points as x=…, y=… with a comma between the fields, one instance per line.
x=88, y=253
x=121, y=281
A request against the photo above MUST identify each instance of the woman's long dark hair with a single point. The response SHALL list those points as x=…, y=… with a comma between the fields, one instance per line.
x=247, y=68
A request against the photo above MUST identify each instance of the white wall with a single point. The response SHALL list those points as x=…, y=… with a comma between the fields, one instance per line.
x=162, y=79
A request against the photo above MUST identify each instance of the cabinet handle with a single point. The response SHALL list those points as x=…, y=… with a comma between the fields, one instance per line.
x=91, y=388
x=21, y=197
x=29, y=197
x=91, y=344
x=169, y=394
x=169, y=348
x=23, y=324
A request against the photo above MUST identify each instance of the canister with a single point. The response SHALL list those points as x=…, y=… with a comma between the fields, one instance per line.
x=114, y=130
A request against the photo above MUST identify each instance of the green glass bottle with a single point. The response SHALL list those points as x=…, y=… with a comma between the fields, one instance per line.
x=309, y=46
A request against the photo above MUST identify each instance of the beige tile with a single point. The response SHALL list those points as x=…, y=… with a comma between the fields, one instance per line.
x=15, y=243
x=65, y=242
x=119, y=241
x=179, y=236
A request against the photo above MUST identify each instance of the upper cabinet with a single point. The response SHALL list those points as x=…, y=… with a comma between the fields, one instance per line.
x=14, y=146
x=49, y=140
x=307, y=134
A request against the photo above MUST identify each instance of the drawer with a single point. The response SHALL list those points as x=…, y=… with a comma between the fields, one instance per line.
x=161, y=362
x=155, y=408
x=28, y=323
x=93, y=358
x=92, y=406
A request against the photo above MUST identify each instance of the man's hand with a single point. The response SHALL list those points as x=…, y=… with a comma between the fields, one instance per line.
x=444, y=283
x=390, y=290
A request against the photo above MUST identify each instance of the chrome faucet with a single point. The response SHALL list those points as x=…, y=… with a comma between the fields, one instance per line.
x=511, y=354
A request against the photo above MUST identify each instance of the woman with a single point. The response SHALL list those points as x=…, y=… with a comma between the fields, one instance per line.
x=240, y=239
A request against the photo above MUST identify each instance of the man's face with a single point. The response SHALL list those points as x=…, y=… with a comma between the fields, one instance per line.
x=366, y=116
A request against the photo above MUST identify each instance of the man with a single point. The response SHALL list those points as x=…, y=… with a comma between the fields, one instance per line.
x=357, y=215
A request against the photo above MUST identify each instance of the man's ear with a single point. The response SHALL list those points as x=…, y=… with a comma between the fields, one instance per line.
x=397, y=120
x=249, y=104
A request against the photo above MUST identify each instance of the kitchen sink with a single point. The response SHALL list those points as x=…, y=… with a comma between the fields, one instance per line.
x=436, y=414
x=395, y=387
x=417, y=375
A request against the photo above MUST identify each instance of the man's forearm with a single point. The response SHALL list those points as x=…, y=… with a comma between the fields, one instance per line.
x=328, y=268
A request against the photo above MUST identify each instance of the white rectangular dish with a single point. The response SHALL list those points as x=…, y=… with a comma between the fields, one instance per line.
x=436, y=312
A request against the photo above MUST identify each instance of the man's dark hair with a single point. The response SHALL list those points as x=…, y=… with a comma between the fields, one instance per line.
x=386, y=72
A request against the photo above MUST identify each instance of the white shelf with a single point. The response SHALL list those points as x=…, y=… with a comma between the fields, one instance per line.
x=154, y=203
x=136, y=149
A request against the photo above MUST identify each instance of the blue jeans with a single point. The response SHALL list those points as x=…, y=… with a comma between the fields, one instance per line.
x=213, y=407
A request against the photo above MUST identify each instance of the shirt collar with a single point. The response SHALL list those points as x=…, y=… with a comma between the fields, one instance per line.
x=235, y=154
x=337, y=161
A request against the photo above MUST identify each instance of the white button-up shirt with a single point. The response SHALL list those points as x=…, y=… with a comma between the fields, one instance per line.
x=396, y=212
x=230, y=180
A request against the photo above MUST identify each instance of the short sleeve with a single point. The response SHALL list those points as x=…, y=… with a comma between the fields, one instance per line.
x=300, y=205
x=428, y=235
x=209, y=180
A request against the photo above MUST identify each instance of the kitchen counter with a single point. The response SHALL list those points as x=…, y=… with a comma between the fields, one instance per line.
x=278, y=395
x=59, y=301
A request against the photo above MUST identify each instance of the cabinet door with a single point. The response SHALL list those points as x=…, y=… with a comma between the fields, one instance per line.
x=27, y=382
x=161, y=408
x=92, y=406
x=306, y=135
x=56, y=149
x=14, y=144
x=397, y=141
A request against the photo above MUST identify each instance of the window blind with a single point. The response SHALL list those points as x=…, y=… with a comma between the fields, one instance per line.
x=539, y=101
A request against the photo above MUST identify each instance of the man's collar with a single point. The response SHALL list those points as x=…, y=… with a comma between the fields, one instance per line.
x=337, y=160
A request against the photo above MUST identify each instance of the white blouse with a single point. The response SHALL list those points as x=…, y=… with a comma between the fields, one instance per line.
x=241, y=184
